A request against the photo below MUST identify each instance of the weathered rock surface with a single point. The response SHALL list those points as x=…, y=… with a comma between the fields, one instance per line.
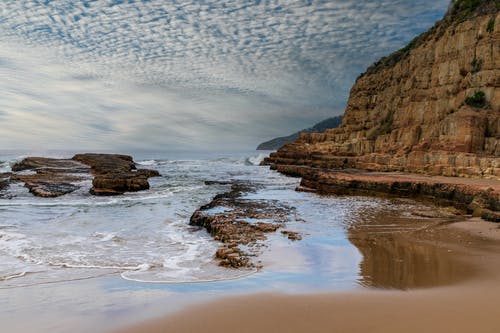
x=430, y=108
x=50, y=177
x=236, y=222
x=115, y=174
x=480, y=197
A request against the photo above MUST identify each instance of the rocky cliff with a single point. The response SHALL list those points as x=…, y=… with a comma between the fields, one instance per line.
x=432, y=107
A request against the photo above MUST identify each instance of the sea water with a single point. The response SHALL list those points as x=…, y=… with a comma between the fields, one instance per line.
x=145, y=236
x=141, y=245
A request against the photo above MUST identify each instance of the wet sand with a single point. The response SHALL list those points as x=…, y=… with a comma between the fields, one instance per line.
x=465, y=305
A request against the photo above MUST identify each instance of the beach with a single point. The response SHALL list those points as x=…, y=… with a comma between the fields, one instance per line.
x=467, y=306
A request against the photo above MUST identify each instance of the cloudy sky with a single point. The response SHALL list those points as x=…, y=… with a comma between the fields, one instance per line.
x=174, y=74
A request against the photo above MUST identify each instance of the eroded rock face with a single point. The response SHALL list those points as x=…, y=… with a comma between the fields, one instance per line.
x=50, y=177
x=413, y=111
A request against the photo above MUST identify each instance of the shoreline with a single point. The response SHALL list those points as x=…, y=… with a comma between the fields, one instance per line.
x=464, y=306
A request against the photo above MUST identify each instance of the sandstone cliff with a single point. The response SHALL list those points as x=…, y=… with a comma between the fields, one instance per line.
x=432, y=107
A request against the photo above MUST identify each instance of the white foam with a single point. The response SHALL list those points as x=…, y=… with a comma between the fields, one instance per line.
x=256, y=160
x=148, y=162
x=13, y=276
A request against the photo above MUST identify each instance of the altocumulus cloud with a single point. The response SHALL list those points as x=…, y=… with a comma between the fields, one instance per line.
x=167, y=74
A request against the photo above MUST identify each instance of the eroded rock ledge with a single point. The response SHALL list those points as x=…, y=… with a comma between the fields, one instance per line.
x=240, y=223
x=111, y=174
x=479, y=197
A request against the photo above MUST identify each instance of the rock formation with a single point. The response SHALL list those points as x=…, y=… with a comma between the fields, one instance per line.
x=112, y=174
x=237, y=222
x=433, y=107
x=115, y=174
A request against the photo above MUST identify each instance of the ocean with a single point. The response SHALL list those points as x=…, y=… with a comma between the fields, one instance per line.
x=143, y=240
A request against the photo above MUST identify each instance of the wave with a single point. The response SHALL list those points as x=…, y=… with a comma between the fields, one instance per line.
x=256, y=160
x=91, y=202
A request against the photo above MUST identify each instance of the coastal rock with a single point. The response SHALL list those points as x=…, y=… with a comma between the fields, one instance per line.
x=480, y=197
x=431, y=108
x=106, y=163
x=118, y=183
x=112, y=174
x=235, y=222
x=115, y=174
x=49, y=177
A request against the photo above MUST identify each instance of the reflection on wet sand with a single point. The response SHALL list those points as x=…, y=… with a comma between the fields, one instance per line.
x=393, y=259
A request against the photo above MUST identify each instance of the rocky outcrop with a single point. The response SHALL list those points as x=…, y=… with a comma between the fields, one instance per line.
x=320, y=127
x=479, y=197
x=50, y=177
x=237, y=222
x=431, y=108
x=115, y=174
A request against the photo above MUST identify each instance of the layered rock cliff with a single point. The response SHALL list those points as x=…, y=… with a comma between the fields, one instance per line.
x=432, y=107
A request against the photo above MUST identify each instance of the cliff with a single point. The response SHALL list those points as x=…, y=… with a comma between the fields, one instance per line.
x=320, y=127
x=432, y=107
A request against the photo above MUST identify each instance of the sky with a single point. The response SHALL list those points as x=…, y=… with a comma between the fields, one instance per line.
x=163, y=75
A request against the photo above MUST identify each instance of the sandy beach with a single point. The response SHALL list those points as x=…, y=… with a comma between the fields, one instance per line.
x=468, y=306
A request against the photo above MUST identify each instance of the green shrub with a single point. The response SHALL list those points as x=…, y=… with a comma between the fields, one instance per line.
x=491, y=25
x=476, y=65
x=385, y=127
x=477, y=100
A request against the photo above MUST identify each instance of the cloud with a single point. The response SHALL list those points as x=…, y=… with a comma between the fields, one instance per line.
x=189, y=72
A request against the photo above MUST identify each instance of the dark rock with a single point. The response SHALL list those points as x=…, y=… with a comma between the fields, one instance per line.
x=106, y=163
x=50, y=165
x=292, y=235
x=118, y=183
x=51, y=177
x=148, y=173
x=50, y=190
x=3, y=184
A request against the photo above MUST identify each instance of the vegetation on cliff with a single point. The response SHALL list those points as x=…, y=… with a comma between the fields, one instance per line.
x=459, y=11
